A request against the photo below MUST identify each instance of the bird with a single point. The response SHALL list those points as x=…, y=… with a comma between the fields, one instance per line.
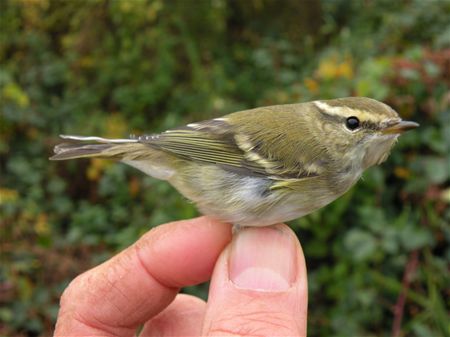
x=260, y=166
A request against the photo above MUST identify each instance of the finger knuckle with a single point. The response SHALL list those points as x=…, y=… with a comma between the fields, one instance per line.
x=259, y=323
x=80, y=289
x=72, y=291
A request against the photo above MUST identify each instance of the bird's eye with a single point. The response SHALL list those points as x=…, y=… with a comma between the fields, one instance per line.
x=352, y=123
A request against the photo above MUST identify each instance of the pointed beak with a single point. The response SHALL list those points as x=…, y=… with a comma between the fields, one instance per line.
x=400, y=127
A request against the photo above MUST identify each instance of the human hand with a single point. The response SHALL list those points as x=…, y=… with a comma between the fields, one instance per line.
x=258, y=285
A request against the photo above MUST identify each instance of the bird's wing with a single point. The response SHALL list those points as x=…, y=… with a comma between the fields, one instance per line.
x=218, y=142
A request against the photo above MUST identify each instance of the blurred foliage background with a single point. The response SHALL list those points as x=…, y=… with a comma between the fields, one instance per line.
x=378, y=258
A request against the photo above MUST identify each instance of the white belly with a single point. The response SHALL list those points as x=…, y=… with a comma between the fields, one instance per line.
x=248, y=201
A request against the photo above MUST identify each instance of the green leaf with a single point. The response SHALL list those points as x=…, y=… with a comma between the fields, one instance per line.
x=360, y=244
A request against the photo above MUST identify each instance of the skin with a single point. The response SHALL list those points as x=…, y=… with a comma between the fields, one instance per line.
x=253, y=291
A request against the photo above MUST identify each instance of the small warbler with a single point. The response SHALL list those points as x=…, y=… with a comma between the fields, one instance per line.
x=261, y=166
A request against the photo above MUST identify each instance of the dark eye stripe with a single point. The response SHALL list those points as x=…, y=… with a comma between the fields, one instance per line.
x=370, y=125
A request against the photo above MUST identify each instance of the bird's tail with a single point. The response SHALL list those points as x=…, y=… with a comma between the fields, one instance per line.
x=88, y=147
x=131, y=151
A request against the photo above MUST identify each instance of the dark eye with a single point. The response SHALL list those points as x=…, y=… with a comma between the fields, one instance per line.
x=352, y=123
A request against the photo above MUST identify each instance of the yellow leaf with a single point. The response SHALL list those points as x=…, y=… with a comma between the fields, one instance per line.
x=116, y=126
x=311, y=84
x=86, y=62
x=8, y=195
x=334, y=67
x=154, y=9
x=327, y=68
x=96, y=168
x=41, y=226
x=32, y=133
x=125, y=6
x=15, y=94
x=345, y=69
x=402, y=173
x=133, y=186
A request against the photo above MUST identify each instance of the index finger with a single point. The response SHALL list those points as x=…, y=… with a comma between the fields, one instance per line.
x=114, y=298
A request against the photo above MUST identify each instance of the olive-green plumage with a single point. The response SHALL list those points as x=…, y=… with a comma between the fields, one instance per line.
x=261, y=166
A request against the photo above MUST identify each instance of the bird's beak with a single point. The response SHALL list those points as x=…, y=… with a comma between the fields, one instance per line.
x=400, y=127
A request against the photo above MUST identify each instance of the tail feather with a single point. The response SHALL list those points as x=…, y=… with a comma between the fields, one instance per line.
x=82, y=147
x=98, y=139
x=130, y=151
x=71, y=151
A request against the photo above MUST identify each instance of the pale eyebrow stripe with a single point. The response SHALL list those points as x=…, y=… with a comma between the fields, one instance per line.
x=332, y=110
x=364, y=115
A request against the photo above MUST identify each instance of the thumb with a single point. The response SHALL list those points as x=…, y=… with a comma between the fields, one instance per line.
x=259, y=286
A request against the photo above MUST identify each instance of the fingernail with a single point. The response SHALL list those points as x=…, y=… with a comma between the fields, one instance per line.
x=263, y=259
